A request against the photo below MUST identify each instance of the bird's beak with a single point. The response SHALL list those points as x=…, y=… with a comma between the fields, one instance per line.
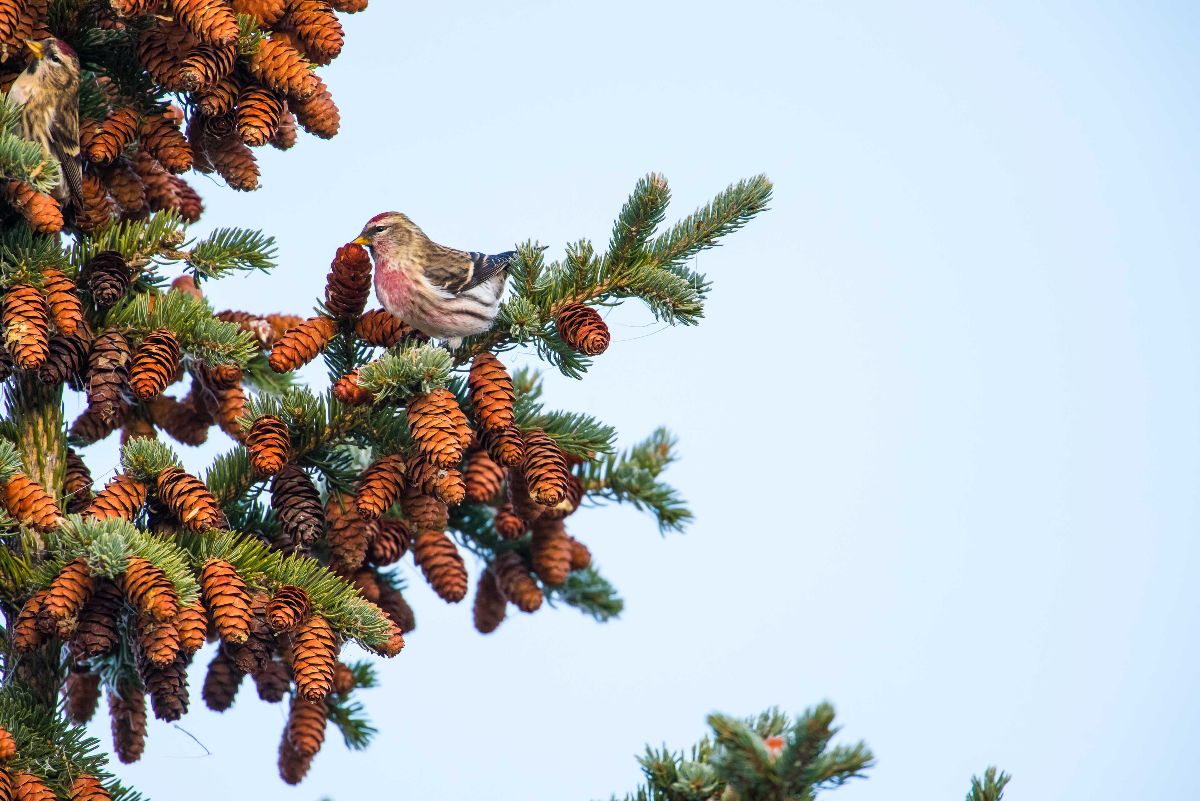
x=35, y=48
x=362, y=240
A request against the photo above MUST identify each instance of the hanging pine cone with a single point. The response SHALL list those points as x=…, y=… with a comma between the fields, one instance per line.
x=77, y=483
x=318, y=114
x=231, y=407
x=26, y=320
x=69, y=591
x=26, y=634
x=192, y=624
x=392, y=602
x=343, y=679
x=437, y=424
x=314, y=653
x=484, y=478
x=297, y=505
x=96, y=208
x=160, y=50
x=268, y=444
x=292, y=766
x=381, y=328
x=446, y=485
x=581, y=557
x=301, y=344
x=381, y=486
x=149, y=590
x=234, y=162
x=217, y=377
x=162, y=139
x=108, y=375
x=29, y=503
x=514, y=581
x=349, y=533
x=41, y=211
x=137, y=427
x=442, y=565
x=490, y=604
x=265, y=12
x=349, y=281
x=218, y=98
x=570, y=501
x=208, y=20
x=122, y=497
x=81, y=693
x=505, y=445
x=167, y=686
x=189, y=499
x=205, y=65
x=127, y=709
x=155, y=364
x=281, y=67
x=316, y=27
x=88, y=788
x=125, y=186
x=518, y=498
x=491, y=391
x=509, y=524
x=227, y=599
x=65, y=361
x=273, y=682
x=88, y=428
x=31, y=787
x=66, y=310
x=221, y=683
x=258, y=111
x=424, y=512
x=306, y=726
x=583, y=329
x=284, y=137
x=187, y=421
x=96, y=632
x=550, y=552
x=288, y=608
x=159, y=642
x=105, y=141
x=390, y=543
x=545, y=469
x=348, y=391
x=108, y=278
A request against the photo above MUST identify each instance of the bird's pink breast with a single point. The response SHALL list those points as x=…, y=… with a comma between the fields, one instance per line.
x=394, y=289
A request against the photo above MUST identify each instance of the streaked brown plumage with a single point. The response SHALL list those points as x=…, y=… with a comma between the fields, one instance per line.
x=48, y=94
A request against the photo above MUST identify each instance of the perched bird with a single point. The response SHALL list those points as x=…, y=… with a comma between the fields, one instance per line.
x=48, y=94
x=445, y=293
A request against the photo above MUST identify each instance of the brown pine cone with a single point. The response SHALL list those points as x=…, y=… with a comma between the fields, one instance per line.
x=519, y=499
x=88, y=788
x=218, y=377
x=491, y=390
x=8, y=746
x=509, y=524
x=317, y=28
x=155, y=364
x=306, y=726
x=273, y=682
x=108, y=278
x=390, y=543
x=490, y=603
x=108, y=375
x=231, y=407
x=107, y=140
x=314, y=653
x=66, y=311
x=348, y=391
x=159, y=642
x=125, y=186
x=545, y=469
x=123, y=496
x=343, y=679
x=265, y=12
x=227, y=600
x=96, y=632
x=280, y=324
x=26, y=634
x=268, y=444
x=437, y=424
x=281, y=67
x=349, y=533
x=484, y=478
x=288, y=608
x=188, y=201
x=26, y=320
x=442, y=565
x=218, y=98
x=221, y=682
x=156, y=181
x=186, y=421
x=234, y=162
x=206, y=65
x=189, y=499
x=381, y=328
x=445, y=484
x=381, y=486
x=208, y=20
x=367, y=582
x=162, y=139
x=65, y=362
x=161, y=49
x=506, y=446
x=41, y=211
x=298, y=507
x=31, y=787
x=301, y=344
x=97, y=209
x=284, y=137
x=149, y=590
x=292, y=766
x=192, y=624
x=77, y=482
x=581, y=557
x=392, y=602
x=258, y=111
x=127, y=709
x=514, y=581
x=70, y=590
x=348, y=6
x=10, y=18
x=319, y=114
x=424, y=512
x=257, y=650
x=569, y=503
x=28, y=502
x=167, y=686
x=550, y=551
x=88, y=428
x=349, y=281
x=81, y=695
x=583, y=329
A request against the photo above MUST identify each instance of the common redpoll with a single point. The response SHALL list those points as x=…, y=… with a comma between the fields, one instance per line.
x=445, y=293
x=48, y=94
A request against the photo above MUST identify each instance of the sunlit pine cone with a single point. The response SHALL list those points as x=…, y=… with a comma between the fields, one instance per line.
x=108, y=278
x=280, y=324
x=265, y=12
x=192, y=624
x=306, y=726
x=509, y=524
x=268, y=444
x=26, y=634
x=189, y=499
x=437, y=424
x=349, y=391
x=70, y=590
x=381, y=328
x=505, y=445
x=31, y=787
x=221, y=682
x=127, y=710
x=62, y=298
x=515, y=582
x=445, y=484
x=97, y=209
x=227, y=600
x=442, y=565
x=484, y=478
x=96, y=633
x=570, y=502
x=81, y=695
x=218, y=98
x=301, y=344
x=390, y=543
x=258, y=111
x=297, y=505
x=349, y=281
x=161, y=138
x=315, y=25
x=65, y=361
x=28, y=502
x=583, y=329
x=491, y=391
x=544, y=468
x=10, y=18
x=381, y=486
x=155, y=364
x=424, y=512
x=104, y=141
x=349, y=532
x=77, y=482
x=161, y=49
x=319, y=114
x=86, y=787
x=314, y=653
x=281, y=67
x=490, y=603
x=149, y=590
x=550, y=551
x=208, y=20
x=125, y=186
x=41, y=211
x=159, y=642
x=26, y=320
x=206, y=65
x=231, y=407
x=288, y=608
x=234, y=162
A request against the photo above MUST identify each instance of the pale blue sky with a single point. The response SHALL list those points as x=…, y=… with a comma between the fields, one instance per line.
x=939, y=429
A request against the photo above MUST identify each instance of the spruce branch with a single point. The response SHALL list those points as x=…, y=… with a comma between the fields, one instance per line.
x=590, y=593
x=228, y=250
x=633, y=477
x=990, y=787
x=25, y=255
x=204, y=337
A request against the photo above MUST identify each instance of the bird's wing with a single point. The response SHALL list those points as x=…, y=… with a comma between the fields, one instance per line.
x=64, y=139
x=483, y=267
x=447, y=269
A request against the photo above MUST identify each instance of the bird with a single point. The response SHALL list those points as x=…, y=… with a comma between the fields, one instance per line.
x=443, y=292
x=47, y=92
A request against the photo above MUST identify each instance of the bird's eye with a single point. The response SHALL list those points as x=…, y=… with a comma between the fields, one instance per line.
x=53, y=57
x=377, y=230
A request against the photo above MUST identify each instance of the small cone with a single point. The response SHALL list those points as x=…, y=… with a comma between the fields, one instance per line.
x=8, y=746
x=126, y=187
x=509, y=524
x=26, y=634
x=149, y=590
x=292, y=766
x=231, y=407
x=545, y=469
x=221, y=683
x=424, y=512
x=349, y=281
x=268, y=444
x=88, y=788
x=297, y=505
x=504, y=445
x=192, y=624
x=71, y=589
x=514, y=581
x=490, y=604
x=581, y=557
x=66, y=310
x=381, y=486
x=319, y=114
x=227, y=599
x=41, y=211
x=442, y=565
x=81, y=696
x=208, y=20
x=28, y=502
x=77, y=483
x=550, y=552
x=189, y=499
x=519, y=499
x=206, y=65
x=390, y=543
x=343, y=679
x=317, y=28
x=26, y=320
x=265, y=12
x=381, y=328
x=281, y=67
x=484, y=478
x=108, y=278
x=122, y=497
x=162, y=139
x=30, y=787
x=219, y=97
x=491, y=390
x=258, y=111
x=437, y=424
x=108, y=376
x=392, y=602
x=314, y=653
x=155, y=364
x=301, y=344
x=306, y=726
x=583, y=329
x=104, y=141
x=349, y=532
x=96, y=633
x=445, y=484
x=347, y=390
x=96, y=208
x=159, y=642
x=273, y=682
x=167, y=686
x=288, y=608
x=284, y=137
x=127, y=709
x=66, y=361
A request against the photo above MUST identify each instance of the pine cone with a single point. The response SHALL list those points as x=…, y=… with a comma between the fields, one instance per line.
x=445, y=484
x=66, y=311
x=381, y=486
x=192, y=624
x=314, y=653
x=268, y=444
x=10, y=18
x=298, y=507
x=218, y=98
x=288, y=608
x=273, y=682
x=149, y=590
x=123, y=496
x=316, y=27
x=8, y=746
x=65, y=362
x=581, y=557
x=550, y=551
x=77, y=483
x=161, y=50
x=349, y=533
x=70, y=590
x=82, y=695
x=514, y=581
x=518, y=498
x=390, y=543
x=545, y=469
x=26, y=320
x=159, y=642
x=104, y=141
x=424, y=512
x=292, y=766
x=234, y=162
x=484, y=478
x=189, y=499
x=231, y=407
x=188, y=202
x=155, y=364
x=127, y=709
x=108, y=278
x=96, y=209
x=265, y=12
x=221, y=683
x=285, y=133
x=227, y=599
x=583, y=329
x=26, y=634
x=491, y=391
x=348, y=391
x=306, y=726
x=343, y=679
x=126, y=187
x=30, y=787
x=349, y=281
x=41, y=211
x=208, y=20
x=392, y=602
x=505, y=445
x=162, y=139
x=96, y=632
x=187, y=421
x=381, y=328
x=569, y=503
x=442, y=565
x=281, y=67
x=509, y=524
x=205, y=65
x=437, y=426
x=258, y=111
x=88, y=788
x=108, y=376
x=301, y=344
x=28, y=502
x=490, y=603
x=319, y=114
x=349, y=6
x=167, y=686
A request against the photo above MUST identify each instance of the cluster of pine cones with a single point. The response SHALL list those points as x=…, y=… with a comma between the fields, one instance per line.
x=27, y=786
x=240, y=91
